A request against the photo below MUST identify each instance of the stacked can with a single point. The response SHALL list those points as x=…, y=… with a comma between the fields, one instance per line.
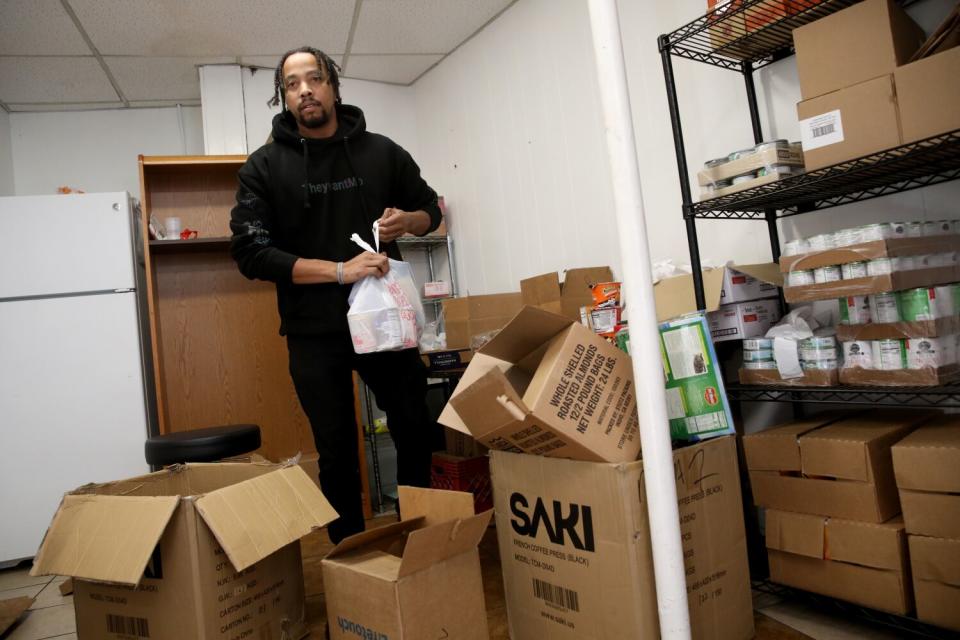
x=758, y=354
x=819, y=352
x=855, y=310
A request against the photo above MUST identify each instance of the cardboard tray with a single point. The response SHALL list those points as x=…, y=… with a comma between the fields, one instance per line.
x=891, y=248
x=926, y=377
x=899, y=330
x=897, y=281
x=811, y=378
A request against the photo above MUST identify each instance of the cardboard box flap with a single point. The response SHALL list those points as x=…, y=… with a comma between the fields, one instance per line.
x=881, y=546
x=929, y=458
x=528, y=330
x=104, y=538
x=254, y=518
x=488, y=404
x=434, y=505
x=577, y=285
x=541, y=290
x=798, y=533
x=768, y=272
x=936, y=559
x=778, y=448
x=478, y=367
x=674, y=296
x=370, y=536
x=430, y=545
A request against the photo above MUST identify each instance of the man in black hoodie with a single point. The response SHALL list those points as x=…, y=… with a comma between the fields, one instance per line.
x=322, y=178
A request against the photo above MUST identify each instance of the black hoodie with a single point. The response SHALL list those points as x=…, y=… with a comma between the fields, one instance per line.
x=303, y=198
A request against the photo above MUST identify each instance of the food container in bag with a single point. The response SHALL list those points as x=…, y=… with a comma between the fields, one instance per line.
x=757, y=355
x=754, y=344
x=760, y=365
x=796, y=247
x=822, y=242
x=848, y=237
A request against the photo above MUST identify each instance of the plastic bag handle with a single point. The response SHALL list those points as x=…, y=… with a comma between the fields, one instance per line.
x=363, y=243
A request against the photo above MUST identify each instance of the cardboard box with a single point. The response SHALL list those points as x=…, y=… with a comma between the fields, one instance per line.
x=896, y=281
x=829, y=467
x=855, y=561
x=697, y=404
x=936, y=580
x=575, y=546
x=743, y=319
x=926, y=377
x=849, y=123
x=899, y=330
x=470, y=316
x=928, y=94
x=462, y=444
x=862, y=42
x=810, y=378
x=546, y=292
x=927, y=468
x=418, y=578
x=191, y=552
x=738, y=283
x=891, y=248
x=707, y=194
x=549, y=386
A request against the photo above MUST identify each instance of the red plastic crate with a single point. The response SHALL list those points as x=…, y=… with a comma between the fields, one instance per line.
x=455, y=473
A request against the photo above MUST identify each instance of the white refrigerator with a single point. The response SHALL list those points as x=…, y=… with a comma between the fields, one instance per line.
x=74, y=406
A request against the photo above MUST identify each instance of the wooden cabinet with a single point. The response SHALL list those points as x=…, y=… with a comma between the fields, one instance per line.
x=218, y=358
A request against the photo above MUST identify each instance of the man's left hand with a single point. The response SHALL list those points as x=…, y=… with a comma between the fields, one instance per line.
x=393, y=224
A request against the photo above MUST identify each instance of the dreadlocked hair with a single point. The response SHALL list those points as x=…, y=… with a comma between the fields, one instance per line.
x=326, y=64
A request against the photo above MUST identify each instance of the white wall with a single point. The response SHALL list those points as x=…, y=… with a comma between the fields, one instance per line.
x=96, y=150
x=388, y=109
x=6, y=156
x=511, y=135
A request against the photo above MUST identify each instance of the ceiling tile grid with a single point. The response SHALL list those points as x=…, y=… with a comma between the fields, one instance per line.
x=159, y=78
x=53, y=80
x=398, y=69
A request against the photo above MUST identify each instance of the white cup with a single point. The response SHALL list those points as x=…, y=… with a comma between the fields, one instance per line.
x=172, y=227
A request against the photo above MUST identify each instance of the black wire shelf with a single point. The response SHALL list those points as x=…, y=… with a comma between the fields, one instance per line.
x=944, y=396
x=755, y=32
x=910, y=166
x=906, y=626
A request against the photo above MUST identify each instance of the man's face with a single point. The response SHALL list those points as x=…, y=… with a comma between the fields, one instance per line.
x=307, y=91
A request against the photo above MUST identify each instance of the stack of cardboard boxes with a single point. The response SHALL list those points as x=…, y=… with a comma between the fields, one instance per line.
x=860, y=91
x=927, y=467
x=833, y=523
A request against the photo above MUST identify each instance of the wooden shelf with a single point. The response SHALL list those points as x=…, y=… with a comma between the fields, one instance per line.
x=182, y=161
x=189, y=246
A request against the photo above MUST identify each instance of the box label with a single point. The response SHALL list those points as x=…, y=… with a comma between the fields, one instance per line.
x=822, y=130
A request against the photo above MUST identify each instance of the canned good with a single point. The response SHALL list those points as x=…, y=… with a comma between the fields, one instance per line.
x=936, y=228
x=820, y=365
x=722, y=184
x=955, y=292
x=772, y=144
x=916, y=305
x=829, y=273
x=716, y=162
x=754, y=344
x=858, y=353
x=877, y=231
x=757, y=355
x=889, y=355
x=907, y=263
x=884, y=308
x=955, y=226
x=819, y=342
x=899, y=229
x=854, y=270
x=760, y=364
x=848, y=237
x=778, y=169
x=822, y=242
x=800, y=278
x=914, y=229
x=855, y=310
x=923, y=353
x=742, y=153
x=747, y=177
x=817, y=353
x=796, y=247
x=883, y=266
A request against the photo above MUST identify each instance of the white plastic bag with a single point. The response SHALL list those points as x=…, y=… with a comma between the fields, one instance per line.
x=385, y=313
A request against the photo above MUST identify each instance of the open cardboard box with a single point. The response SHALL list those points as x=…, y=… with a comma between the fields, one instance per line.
x=199, y=551
x=470, y=316
x=418, y=578
x=927, y=467
x=549, y=386
x=831, y=465
x=546, y=291
x=725, y=285
x=855, y=561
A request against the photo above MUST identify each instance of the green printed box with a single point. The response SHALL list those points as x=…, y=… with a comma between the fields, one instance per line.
x=697, y=403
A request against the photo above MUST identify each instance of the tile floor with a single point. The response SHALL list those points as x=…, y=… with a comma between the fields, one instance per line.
x=51, y=615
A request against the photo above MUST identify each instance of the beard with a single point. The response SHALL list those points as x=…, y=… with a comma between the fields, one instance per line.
x=315, y=120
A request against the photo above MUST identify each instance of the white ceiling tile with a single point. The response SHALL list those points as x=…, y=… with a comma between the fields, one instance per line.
x=77, y=106
x=38, y=27
x=396, y=69
x=159, y=78
x=420, y=26
x=53, y=79
x=270, y=61
x=213, y=27
x=164, y=103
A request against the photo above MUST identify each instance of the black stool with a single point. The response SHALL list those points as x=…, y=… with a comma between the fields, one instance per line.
x=202, y=445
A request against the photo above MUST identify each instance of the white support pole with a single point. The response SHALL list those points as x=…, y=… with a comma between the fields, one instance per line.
x=658, y=472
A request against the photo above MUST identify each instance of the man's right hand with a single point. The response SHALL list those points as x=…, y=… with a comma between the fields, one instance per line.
x=363, y=265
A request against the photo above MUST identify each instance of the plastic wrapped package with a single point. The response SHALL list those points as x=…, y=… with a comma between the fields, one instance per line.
x=751, y=167
x=923, y=361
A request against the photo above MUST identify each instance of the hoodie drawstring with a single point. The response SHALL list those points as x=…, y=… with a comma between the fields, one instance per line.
x=353, y=170
x=306, y=173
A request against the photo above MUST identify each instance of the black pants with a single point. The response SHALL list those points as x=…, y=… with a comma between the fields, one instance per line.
x=321, y=368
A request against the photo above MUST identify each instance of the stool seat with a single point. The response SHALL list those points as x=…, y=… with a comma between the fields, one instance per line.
x=202, y=445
